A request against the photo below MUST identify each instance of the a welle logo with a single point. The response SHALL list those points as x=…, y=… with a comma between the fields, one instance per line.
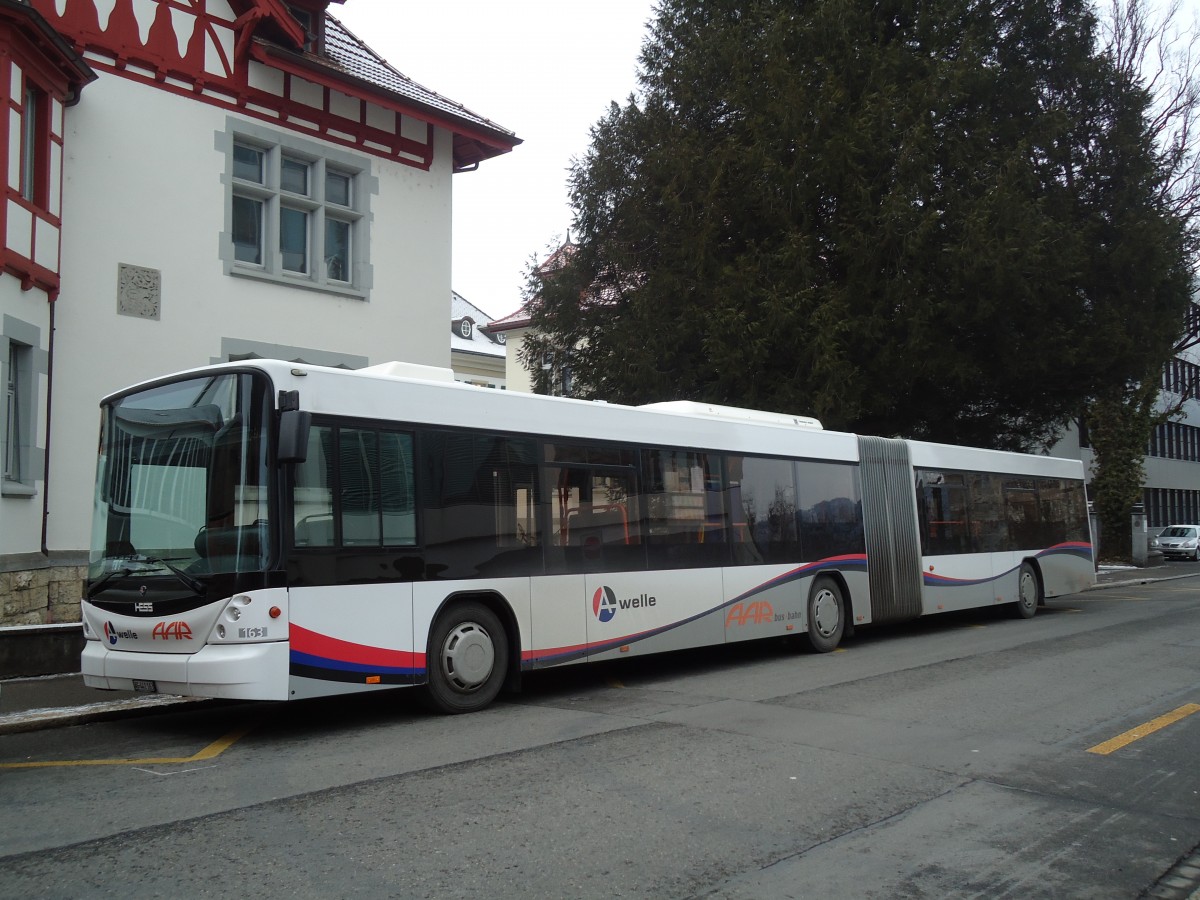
x=112, y=633
x=605, y=603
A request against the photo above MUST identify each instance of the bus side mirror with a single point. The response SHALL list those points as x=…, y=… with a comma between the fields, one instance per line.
x=293, y=435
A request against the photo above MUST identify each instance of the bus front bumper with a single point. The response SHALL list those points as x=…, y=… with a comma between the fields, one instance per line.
x=229, y=671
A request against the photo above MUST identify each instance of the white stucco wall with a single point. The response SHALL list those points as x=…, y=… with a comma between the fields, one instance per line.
x=144, y=185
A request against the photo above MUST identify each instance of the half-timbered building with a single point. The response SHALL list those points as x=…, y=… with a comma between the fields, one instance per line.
x=212, y=180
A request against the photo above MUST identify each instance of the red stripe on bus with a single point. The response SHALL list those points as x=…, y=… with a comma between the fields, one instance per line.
x=328, y=647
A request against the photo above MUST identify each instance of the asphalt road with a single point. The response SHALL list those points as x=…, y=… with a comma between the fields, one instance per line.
x=960, y=756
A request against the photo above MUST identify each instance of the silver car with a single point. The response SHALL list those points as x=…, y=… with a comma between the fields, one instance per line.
x=1180, y=542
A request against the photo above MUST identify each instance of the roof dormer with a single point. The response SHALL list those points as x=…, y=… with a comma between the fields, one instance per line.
x=311, y=16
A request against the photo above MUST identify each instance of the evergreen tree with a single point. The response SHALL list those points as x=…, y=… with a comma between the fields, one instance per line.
x=1122, y=417
x=941, y=219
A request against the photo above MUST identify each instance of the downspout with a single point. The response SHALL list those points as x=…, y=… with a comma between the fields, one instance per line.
x=51, y=298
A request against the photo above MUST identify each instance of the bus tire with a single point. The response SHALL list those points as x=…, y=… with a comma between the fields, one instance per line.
x=826, y=615
x=1029, y=593
x=468, y=657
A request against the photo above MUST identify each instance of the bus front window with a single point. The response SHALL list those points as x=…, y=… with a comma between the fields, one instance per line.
x=182, y=479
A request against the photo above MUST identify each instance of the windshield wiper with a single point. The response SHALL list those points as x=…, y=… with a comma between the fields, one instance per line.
x=124, y=571
x=99, y=585
x=192, y=584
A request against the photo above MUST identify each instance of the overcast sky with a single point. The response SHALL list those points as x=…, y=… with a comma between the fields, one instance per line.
x=544, y=69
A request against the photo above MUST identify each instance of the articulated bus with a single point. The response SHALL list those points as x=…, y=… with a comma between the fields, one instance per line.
x=268, y=530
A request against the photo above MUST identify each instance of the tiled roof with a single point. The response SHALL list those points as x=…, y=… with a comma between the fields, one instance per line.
x=462, y=308
x=347, y=53
x=518, y=319
x=551, y=264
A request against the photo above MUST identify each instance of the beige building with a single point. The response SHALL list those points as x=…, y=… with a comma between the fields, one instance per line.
x=514, y=327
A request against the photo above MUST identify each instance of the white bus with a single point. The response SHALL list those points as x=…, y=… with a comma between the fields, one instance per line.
x=270, y=531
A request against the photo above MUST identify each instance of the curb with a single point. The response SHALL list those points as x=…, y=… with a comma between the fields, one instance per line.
x=60, y=717
x=1181, y=881
x=1149, y=579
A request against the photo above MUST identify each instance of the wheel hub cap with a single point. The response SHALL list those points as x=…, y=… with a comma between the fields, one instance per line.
x=825, y=613
x=468, y=656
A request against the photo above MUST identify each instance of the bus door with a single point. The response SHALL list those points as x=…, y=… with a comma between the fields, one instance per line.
x=593, y=526
x=959, y=567
x=671, y=597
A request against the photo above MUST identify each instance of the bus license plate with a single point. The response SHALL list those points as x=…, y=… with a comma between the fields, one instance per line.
x=145, y=687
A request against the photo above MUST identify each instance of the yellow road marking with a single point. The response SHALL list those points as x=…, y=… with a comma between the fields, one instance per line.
x=1134, y=734
x=614, y=683
x=212, y=751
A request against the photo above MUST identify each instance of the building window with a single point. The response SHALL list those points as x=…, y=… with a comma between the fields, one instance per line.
x=35, y=140
x=298, y=213
x=12, y=417
x=18, y=410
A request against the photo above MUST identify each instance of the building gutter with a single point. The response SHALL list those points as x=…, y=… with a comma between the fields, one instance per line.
x=49, y=408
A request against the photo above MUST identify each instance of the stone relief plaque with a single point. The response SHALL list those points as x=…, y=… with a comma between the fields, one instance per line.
x=139, y=291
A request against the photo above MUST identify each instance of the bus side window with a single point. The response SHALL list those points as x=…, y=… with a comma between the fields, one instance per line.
x=1021, y=513
x=594, y=522
x=358, y=465
x=685, y=514
x=478, y=497
x=829, y=509
x=355, y=489
x=944, y=504
x=989, y=529
x=592, y=508
x=312, y=494
x=762, y=496
x=396, y=483
x=1064, y=511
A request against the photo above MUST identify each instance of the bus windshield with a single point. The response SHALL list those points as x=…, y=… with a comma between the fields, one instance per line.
x=182, y=481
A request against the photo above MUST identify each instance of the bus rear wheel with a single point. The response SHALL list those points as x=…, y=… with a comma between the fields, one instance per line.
x=1029, y=593
x=826, y=615
x=468, y=656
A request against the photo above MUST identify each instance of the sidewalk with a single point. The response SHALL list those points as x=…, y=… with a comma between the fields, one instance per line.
x=52, y=701
x=1114, y=576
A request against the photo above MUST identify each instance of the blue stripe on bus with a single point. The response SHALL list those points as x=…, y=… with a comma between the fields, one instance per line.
x=1081, y=550
x=321, y=662
x=855, y=561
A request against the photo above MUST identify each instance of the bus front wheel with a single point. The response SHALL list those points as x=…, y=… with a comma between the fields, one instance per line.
x=468, y=655
x=1029, y=593
x=826, y=615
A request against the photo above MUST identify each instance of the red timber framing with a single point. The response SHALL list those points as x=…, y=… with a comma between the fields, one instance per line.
x=249, y=56
x=34, y=57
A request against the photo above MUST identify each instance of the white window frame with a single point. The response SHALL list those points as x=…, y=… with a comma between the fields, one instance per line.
x=20, y=468
x=320, y=271
x=32, y=135
x=13, y=407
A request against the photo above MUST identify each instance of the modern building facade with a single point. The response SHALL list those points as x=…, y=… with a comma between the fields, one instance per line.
x=239, y=179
